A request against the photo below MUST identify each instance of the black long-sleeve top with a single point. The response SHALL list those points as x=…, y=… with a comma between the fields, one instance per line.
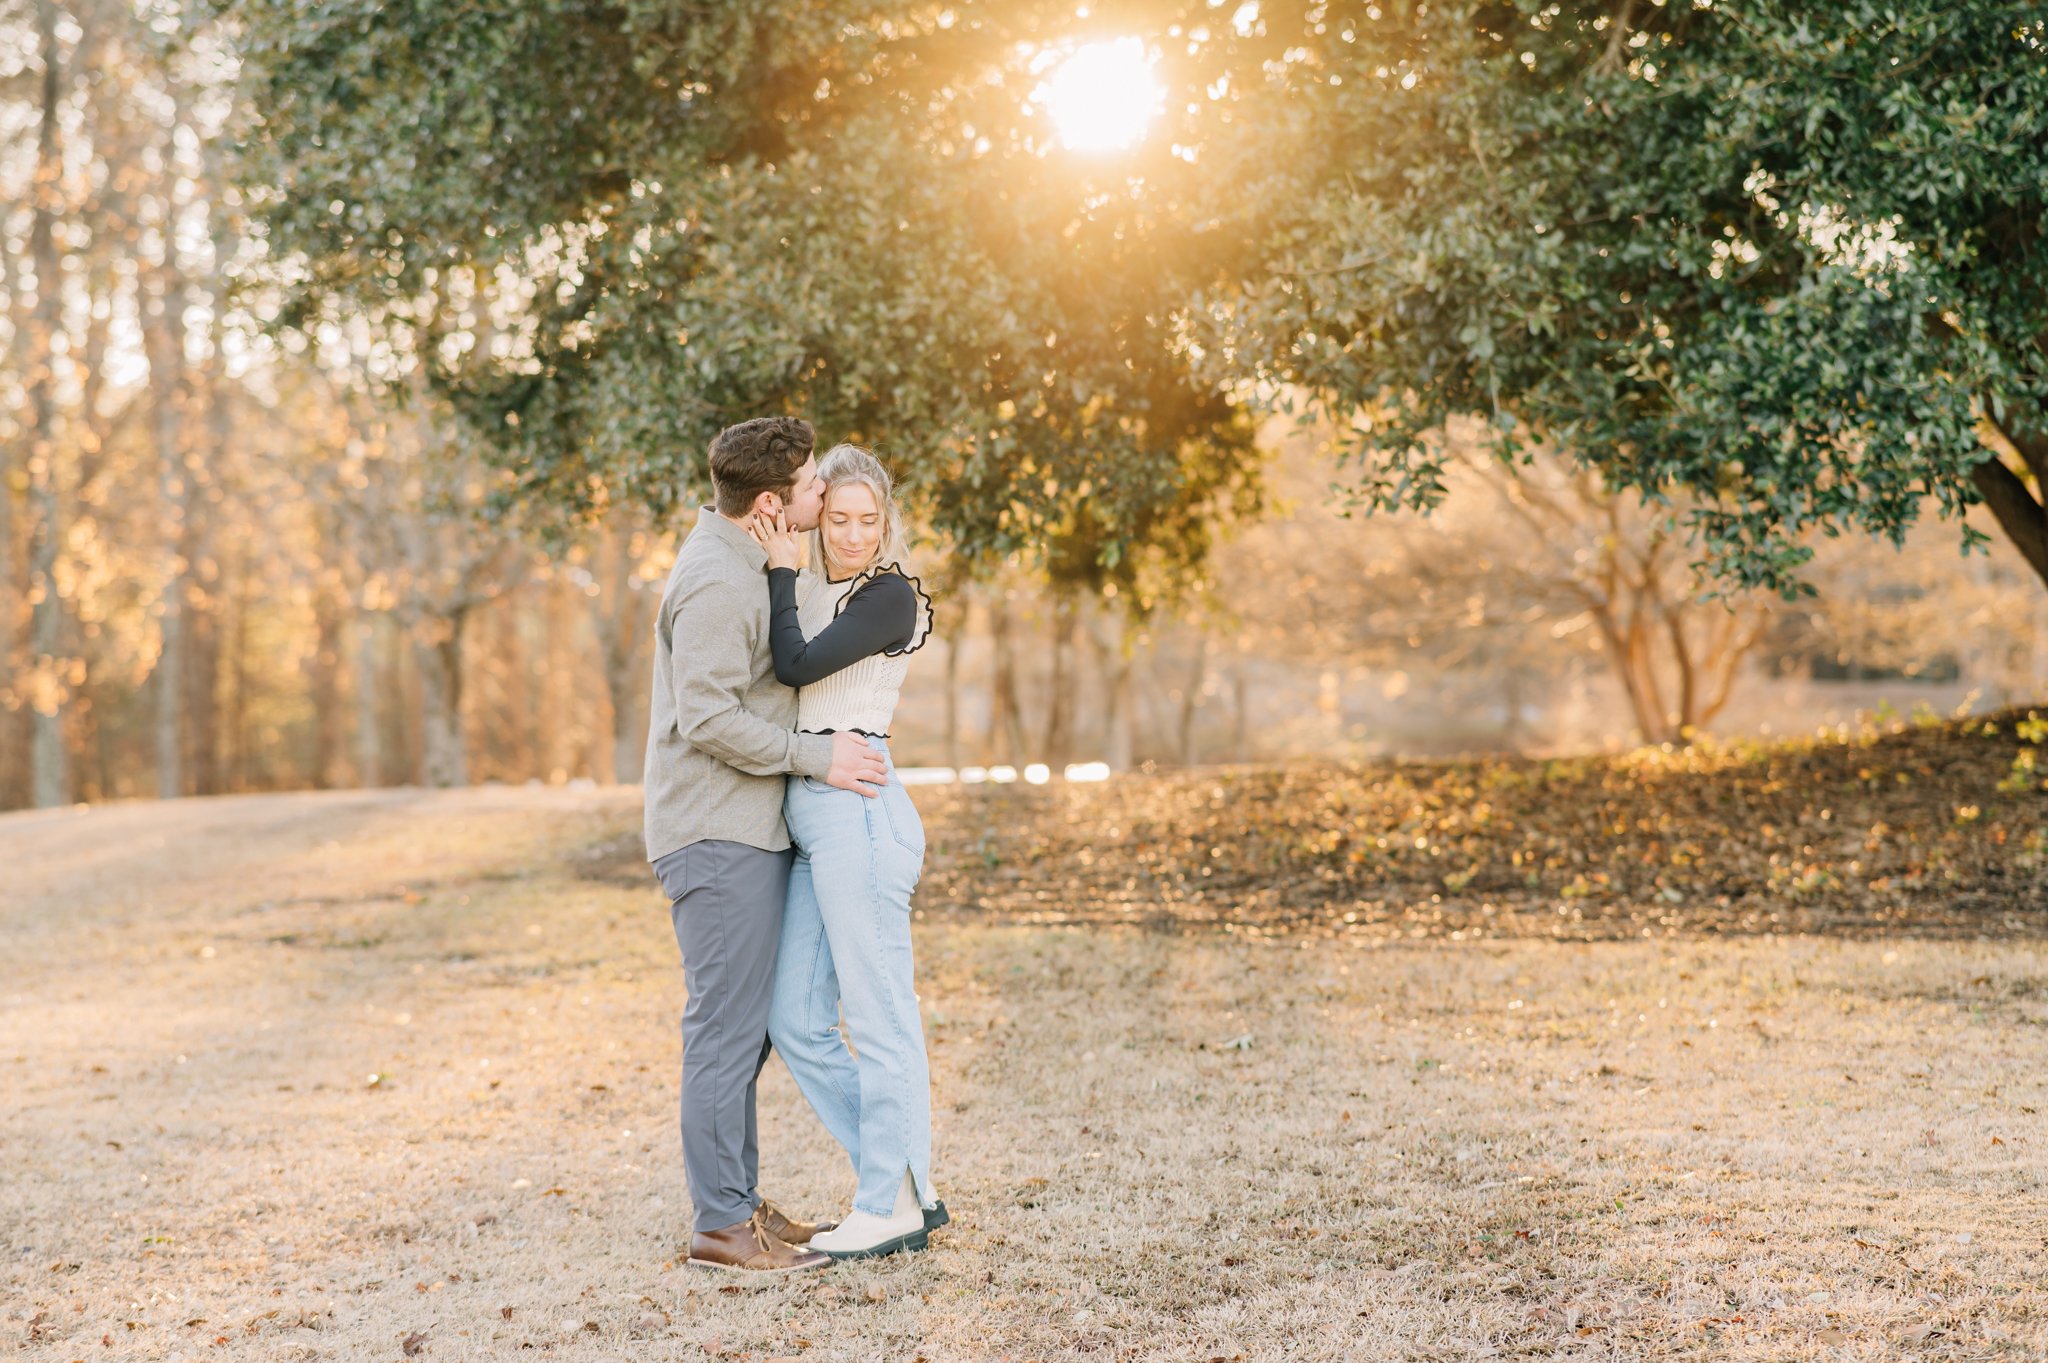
x=880, y=615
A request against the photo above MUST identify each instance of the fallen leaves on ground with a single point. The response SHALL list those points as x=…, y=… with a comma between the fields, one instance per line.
x=1903, y=831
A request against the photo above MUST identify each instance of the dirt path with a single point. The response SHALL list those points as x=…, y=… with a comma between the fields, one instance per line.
x=305, y=1077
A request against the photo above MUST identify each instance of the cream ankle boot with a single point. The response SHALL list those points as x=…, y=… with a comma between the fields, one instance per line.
x=861, y=1236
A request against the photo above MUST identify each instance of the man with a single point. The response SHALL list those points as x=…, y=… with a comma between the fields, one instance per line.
x=720, y=740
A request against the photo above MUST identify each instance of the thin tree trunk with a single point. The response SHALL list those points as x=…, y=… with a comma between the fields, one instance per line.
x=620, y=625
x=1241, y=735
x=326, y=682
x=1642, y=666
x=1511, y=701
x=559, y=715
x=106, y=784
x=1003, y=739
x=1622, y=660
x=1642, y=633
x=11, y=737
x=1191, y=700
x=437, y=652
x=369, y=728
x=1689, y=699
x=1123, y=719
x=1057, y=705
x=201, y=543
x=202, y=654
x=170, y=392
x=1158, y=698
x=506, y=692
x=48, y=761
x=402, y=676
x=1106, y=630
x=629, y=745
x=1741, y=641
x=953, y=701
x=238, y=774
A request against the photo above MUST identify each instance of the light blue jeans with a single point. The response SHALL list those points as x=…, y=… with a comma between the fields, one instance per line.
x=846, y=945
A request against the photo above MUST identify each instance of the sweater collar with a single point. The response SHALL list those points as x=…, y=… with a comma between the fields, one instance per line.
x=735, y=539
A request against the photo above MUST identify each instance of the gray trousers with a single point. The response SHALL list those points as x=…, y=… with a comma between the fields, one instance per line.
x=725, y=899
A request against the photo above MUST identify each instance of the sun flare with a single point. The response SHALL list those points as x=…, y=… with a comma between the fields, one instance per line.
x=1103, y=97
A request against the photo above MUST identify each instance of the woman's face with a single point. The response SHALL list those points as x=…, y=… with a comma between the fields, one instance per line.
x=852, y=527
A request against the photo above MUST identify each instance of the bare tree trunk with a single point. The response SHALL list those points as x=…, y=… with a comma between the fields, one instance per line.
x=1058, y=705
x=629, y=749
x=503, y=692
x=11, y=735
x=1123, y=718
x=326, y=682
x=1511, y=701
x=1739, y=640
x=202, y=654
x=621, y=620
x=203, y=478
x=50, y=680
x=2022, y=512
x=559, y=716
x=1688, y=672
x=1191, y=700
x=1158, y=698
x=106, y=785
x=953, y=701
x=1005, y=739
x=1644, y=608
x=171, y=393
x=237, y=706
x=1240, y=685
x=437, y=651
x=2040, y=666
x=1106, y=630
x=1623, y=656
x=369, y=728
x=952, y=613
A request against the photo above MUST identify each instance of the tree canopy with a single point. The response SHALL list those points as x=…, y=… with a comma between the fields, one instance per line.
x=1788, y=261
x=685, y=217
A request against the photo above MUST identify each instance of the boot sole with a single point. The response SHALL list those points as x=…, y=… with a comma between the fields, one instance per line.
x=754, y=1275
x=916, y=1240
x=935, y=1215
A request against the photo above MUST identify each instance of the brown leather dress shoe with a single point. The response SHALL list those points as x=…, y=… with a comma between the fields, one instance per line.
x=788, y=1231
x=750, y=1249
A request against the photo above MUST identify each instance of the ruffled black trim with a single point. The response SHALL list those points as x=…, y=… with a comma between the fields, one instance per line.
x=920, y=632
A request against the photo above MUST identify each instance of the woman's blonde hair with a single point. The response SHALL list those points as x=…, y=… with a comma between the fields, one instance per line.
x=845, y=464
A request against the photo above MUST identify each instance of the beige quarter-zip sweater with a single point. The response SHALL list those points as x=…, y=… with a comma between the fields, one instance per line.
x=721, y=730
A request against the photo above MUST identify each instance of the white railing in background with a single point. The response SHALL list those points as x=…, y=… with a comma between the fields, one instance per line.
x=1036, y=774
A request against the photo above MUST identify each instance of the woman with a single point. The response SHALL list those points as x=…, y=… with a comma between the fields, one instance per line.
x=842, y=633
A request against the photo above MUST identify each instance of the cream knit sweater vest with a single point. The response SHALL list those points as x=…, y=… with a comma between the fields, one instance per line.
x=862, y=696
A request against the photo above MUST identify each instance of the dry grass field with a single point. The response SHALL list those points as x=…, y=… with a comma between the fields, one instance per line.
x=373, y=1075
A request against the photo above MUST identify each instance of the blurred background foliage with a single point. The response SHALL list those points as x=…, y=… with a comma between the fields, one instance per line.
x=1422, y=378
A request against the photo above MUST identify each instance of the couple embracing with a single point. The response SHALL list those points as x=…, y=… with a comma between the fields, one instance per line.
x=786, y=844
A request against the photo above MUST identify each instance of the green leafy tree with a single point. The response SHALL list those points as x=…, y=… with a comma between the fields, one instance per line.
x=1786, y=259
x=673, y=217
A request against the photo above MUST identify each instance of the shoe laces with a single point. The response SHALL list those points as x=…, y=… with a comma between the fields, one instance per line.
x=762, y=1237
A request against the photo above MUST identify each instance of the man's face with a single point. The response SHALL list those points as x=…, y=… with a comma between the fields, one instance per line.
x=806, y=497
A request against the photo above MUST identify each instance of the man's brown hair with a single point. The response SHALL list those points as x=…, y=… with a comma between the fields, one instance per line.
x=758, y=456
